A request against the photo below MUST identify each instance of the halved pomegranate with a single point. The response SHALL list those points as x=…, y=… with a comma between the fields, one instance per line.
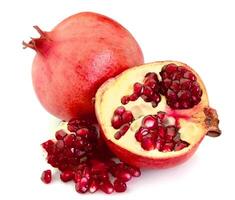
x=155, y=115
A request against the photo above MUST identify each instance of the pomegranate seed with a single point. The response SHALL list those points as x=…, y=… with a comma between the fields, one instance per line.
x=170, y=132
x=124, y=175
x=134, y=97
x=147, y=144
x=119, y=111
x=127, y=117
x=149, y=122
x=94, y=186
x=59, y=145
x=116, y=121
x=59, y=135
x=82, y=185
x=167, y=147
x=48, y=146
x=135, y=172
x=119, y=186
x=124, y=128
x=159, y=144
x=67, y=176
x=137, y=88
x=82, y=132
x=106, y=187
x=69, y=140
x=46, y=176
x=151, y=75
x=180, y=145
x=125, y=100
x=118, y=135
x=140, y=133
x=147, y=91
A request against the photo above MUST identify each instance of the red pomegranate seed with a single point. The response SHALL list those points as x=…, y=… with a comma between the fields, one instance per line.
x=125, y=100
x=94, y=186
x=147, y=144
x=147, y=91
x=123, y=175
x=180, y=145
x=149, y=122
x=151, y=75
x=140, y=133
x=117, y=135
x=137, y=89
x=106, y=187
x=48, y=146
x=119, y=111
x=170, y=132
x=127, y=117
x=168, y=147
x=46, y=176
x=134, y=97
x=82, y=132
x=59, y=135
x=119, y=186
x=135, y=172
x=82, y=185
x=59, y=145
x=124, y=129
x=67, y=176
x=69, y=140
x=159, y=144
x=116, y=121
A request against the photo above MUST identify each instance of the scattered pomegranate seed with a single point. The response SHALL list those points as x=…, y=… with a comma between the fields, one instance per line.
x=67, y=176
x=119, y=186
x=59, y=135
x=107, y=187
x=46, y=176
x=83, y=158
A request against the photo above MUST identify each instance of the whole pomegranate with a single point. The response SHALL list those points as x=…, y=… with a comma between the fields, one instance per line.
x=155, y=115
x=75, y=58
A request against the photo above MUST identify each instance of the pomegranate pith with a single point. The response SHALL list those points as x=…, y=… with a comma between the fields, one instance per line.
x=82, y=157
x=171, y=114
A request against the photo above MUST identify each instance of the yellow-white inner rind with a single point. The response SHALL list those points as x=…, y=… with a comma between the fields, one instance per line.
x=108, y=99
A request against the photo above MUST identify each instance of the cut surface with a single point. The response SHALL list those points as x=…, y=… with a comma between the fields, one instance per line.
x=182, y=101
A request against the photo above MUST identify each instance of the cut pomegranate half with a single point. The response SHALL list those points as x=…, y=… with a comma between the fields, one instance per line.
x=155, y=115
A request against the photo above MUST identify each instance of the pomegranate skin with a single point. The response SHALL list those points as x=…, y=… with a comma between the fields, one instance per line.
x=75, y=58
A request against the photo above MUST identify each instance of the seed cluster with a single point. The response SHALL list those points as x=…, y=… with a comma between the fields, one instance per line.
x=121, y=119
x=180, y=87
x=154, y=133
x=148, y=91
x=82, y=157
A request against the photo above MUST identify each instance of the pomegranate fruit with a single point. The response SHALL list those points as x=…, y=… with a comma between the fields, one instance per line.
x=155, y=115
x=82, y=157
x=75, y=58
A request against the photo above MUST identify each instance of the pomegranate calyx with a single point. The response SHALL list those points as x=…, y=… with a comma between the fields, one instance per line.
x=212, y=122
x=41, y=44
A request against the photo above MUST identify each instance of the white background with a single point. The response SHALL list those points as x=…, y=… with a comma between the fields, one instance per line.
x=199, y=33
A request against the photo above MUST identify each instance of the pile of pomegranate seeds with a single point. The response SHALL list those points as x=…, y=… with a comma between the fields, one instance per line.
x=154, y=133
x=148, y=91
x=82, y=157
x=122, y=119
x=180, y=87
